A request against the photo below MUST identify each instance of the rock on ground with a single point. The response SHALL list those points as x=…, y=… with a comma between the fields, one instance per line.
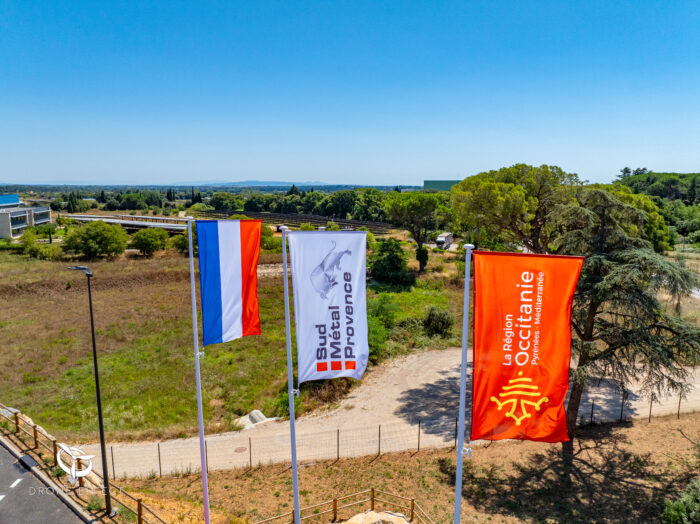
x=373, y=517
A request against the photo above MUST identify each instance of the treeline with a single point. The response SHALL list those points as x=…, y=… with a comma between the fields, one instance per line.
x=677, y=196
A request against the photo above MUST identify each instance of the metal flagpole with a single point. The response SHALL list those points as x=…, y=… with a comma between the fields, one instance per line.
x=290, y=379
x=197, y=356
x=463, y=388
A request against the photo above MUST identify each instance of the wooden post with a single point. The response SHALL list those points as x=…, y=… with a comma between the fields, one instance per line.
x=337, y=445
x=419, y=435
x=679, y=406
x=413, y=507
x=371, y=503
x=160, y=465
x=250, y=452
x=592, y=409
x=651, y=402
x=81, y=480
x=335, y=510
x=456, y=424
x=36, y=436
x=16, y=423
x=379, y=441
x=139, y=511
x=55, y=452
x=206, y=455
x=622, y=404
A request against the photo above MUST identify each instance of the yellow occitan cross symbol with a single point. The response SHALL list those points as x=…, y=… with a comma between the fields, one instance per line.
x=519, y=387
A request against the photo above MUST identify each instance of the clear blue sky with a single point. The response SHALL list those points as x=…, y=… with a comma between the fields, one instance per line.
x=366, y=92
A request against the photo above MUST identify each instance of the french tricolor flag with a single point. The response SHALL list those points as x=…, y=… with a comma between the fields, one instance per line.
x=228, y=277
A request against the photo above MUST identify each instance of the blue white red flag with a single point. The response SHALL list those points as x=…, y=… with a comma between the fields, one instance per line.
x=228, y=263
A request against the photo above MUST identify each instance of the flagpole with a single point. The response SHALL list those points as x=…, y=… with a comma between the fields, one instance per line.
x=290, y=379
x=197, y=356
x=463, y=387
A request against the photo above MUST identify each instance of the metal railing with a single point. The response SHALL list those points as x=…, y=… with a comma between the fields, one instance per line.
x=38, y=439
x=367, y=499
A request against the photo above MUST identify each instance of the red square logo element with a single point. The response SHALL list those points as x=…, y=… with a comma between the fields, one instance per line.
x=350, y=364
x=336, y=366
x=321, y=366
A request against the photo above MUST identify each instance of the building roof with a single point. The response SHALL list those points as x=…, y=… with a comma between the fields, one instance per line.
x=440, y=185
x=9, y=200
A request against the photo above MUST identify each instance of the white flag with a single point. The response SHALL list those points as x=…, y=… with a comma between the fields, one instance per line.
x=330, y=304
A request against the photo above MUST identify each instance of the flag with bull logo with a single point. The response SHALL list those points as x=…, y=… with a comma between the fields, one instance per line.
x=522, y=345
x=330, y=307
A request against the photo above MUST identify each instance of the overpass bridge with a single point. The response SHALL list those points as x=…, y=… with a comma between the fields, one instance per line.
x=135, y=222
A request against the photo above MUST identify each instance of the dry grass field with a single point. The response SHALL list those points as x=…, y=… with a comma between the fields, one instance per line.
x=619, y=473
x=144, y=337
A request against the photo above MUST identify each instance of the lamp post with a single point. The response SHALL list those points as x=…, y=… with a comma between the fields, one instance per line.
x=105, y=471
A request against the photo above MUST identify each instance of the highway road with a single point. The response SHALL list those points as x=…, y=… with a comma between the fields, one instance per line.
x=24, y=499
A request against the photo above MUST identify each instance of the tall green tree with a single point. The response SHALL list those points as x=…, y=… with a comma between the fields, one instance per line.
x=419, y=213
x=515, y=203
x=622, y=330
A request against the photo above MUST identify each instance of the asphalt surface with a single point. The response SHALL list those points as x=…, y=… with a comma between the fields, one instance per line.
x=24, y=499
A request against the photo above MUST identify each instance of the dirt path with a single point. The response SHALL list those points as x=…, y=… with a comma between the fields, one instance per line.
x=417, y=389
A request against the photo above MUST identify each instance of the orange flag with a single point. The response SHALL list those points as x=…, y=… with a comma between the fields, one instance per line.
x=522, y=345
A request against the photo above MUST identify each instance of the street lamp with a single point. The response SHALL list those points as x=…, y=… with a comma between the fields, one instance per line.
x=105, y=471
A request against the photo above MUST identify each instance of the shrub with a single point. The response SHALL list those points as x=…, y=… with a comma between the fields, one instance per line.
x=332, y=226
x=371, y=239
x=94, y=504
x=307, y=226
x=96, y=239
x=281, y=405
x=180, y=243
x=686, y=509
x=268, y=241
x=388, y=264
x=438, y=322
x=150, y=240
x=384, y=308
x=376, y=338
x=422, y=256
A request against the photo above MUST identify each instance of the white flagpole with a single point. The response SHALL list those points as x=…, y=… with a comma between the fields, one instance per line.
x=197, y=356
x=463, y=388
x=290, y=379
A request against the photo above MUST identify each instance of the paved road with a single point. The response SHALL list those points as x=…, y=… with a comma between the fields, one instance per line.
x=417, y=389
x=24, y=499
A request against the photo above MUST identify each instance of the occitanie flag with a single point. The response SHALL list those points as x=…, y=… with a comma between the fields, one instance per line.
x=522, y=345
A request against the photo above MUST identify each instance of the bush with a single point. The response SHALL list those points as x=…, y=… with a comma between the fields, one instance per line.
x=384, y=308
x=268, y=241
x=150, y=240
x=371, y=239
x=438, y=322
x=422, y=256
x=376, y=337
x=332, y=226
x=686, y=509
x=281, y=405
x=307, y=226
x=96, y=239
x=180, y=243
x=388, y=264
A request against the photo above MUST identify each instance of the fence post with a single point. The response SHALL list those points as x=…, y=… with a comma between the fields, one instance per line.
x=206, y=454
x=456, y=424
x=250, y=452
x=371, y=503
x=592, y=409
x=335, y=509
x=622, y=404
x=419, y=435
x=139, y=511
x=337, y=454
x=55, y=452
x=16, y=423
x=160, y=466
x=81, y=480
x=379, y=451
x=413, y=507
x=36, y=437
x=651, y=402
x=679, y=406
x=114, y=473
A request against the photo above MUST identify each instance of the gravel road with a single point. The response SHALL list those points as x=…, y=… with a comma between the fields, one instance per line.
x=421, y=388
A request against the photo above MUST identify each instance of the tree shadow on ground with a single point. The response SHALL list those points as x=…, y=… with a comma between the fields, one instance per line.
x=601, y=482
